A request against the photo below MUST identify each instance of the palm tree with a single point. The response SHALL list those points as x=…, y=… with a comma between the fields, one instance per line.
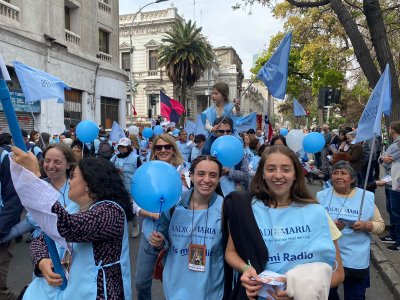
x=185, y=55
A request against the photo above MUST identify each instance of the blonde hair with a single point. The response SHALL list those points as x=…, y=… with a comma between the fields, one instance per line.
x=177, y=158
x=135, y=141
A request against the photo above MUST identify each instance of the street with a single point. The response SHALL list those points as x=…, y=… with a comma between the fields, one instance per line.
x=21, y=268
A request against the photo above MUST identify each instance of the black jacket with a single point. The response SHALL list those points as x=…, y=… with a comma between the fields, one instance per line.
x=238, y=217
x=10, y=213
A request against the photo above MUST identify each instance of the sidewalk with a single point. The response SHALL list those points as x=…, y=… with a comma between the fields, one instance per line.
x=385, y=261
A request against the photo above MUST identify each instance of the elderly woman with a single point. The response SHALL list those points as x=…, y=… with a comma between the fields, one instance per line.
x=342, y=202
x=98, y=258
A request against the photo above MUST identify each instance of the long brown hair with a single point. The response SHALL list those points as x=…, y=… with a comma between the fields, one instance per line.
x=66, y=151
x=298, y=192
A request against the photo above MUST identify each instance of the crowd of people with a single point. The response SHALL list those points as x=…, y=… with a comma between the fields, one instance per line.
x=229, y=225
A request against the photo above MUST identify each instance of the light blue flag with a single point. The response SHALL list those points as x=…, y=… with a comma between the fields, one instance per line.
x=3, y=70
x=117, y=132
x=379, y=102
x=200, y=129
x=190, y=127
x=298, y=110
x=274, y=73
x=38, y=85
x=246, y=122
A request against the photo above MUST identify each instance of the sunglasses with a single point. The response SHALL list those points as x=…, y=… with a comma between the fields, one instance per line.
x=224, y=131
x=166, y=147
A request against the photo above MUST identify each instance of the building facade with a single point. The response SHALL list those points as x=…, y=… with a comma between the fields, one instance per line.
x=147, y=30
x=76, y=41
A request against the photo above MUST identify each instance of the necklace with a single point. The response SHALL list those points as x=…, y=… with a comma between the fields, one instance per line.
x=205, y=231
x=286, y=204
x=62, y=193
x=344, y=202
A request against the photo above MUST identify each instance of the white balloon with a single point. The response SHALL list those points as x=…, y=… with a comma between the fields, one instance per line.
x=133, y=130
x=294, y=139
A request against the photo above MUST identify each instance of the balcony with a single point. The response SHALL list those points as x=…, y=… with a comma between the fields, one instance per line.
x=104, y=7
x=9, y=11
x=104, y=57
x=72, y=38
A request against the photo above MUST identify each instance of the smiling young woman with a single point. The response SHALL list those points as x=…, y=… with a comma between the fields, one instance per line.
x=259, y=225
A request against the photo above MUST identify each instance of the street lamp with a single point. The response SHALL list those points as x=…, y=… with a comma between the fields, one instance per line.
x=132, y=100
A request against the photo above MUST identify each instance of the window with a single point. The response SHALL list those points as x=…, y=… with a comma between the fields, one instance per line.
x=72, y=107
x=109, y=111
x=67, y=12
x=153, y=60
x=125, y=61
x=153, y=101
x=104, y=37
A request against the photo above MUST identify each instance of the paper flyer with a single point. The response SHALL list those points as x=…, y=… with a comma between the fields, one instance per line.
x=270, y=281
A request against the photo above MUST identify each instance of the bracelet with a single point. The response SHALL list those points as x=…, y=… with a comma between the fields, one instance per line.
x=245, y=268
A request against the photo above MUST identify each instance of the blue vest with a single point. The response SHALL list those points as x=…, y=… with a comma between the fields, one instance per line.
x=354, y=246
x=82, y=283
x=294, y=235
x=185, y=149
x=210, y=114
x=178, y=281
x=195, y=152
x=227, y=185
x=128, y=166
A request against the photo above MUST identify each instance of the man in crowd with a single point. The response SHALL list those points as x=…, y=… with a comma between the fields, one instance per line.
x=199, y=141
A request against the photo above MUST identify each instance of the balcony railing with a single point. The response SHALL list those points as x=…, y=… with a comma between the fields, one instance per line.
x=104, y=7
x=72, y=38
x=104, y=57
x=9, y=10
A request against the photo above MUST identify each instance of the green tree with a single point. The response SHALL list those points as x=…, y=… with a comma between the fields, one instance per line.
x=185, y=55
x=371, y=27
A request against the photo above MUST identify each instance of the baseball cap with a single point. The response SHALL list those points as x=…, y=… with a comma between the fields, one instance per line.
x=124, y=142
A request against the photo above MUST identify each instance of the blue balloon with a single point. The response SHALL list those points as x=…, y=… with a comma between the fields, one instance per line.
x=157, y=130
x=87, y=131
x=228, y=149
x=313, y=142
x=153, y=192
x=284, y=131
x=147, y=132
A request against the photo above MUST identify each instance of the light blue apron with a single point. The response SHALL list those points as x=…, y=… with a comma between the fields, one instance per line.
x=227, y=185
x=210, y=114
x=179, y=282
x=185, y=149
x=294, y=235
x=128, y=165
x=354, y=246
x=82, y=283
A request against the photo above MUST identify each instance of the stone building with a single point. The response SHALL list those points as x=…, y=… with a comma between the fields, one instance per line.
x=147, y=30
x=76, y=41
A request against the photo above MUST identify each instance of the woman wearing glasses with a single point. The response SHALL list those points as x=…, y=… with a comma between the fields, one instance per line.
x=164, y=148
x=192, y=234
x=58, y=161
x=97, y=259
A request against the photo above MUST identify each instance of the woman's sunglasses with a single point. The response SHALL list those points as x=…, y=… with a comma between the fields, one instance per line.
x=166, y=147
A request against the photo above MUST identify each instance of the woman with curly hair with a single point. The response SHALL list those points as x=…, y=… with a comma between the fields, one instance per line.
x=97, y=259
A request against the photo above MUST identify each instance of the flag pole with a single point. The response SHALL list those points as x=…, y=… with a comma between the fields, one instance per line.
x=366, y=176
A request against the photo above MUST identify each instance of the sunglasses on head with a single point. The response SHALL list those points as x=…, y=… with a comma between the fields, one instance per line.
x=160, y=147
x=224, y=131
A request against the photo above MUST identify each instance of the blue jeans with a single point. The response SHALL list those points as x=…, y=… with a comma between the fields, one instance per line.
x=147, y=258
x=393, y=209
x=353, y=288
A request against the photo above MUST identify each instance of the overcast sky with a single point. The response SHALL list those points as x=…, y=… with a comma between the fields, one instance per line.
x=221, y=25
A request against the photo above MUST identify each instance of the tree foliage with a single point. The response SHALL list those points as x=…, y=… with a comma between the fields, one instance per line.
x=369, y=28
x=185, y=54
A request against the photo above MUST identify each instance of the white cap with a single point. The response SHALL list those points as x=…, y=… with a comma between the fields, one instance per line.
x=124, y=142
